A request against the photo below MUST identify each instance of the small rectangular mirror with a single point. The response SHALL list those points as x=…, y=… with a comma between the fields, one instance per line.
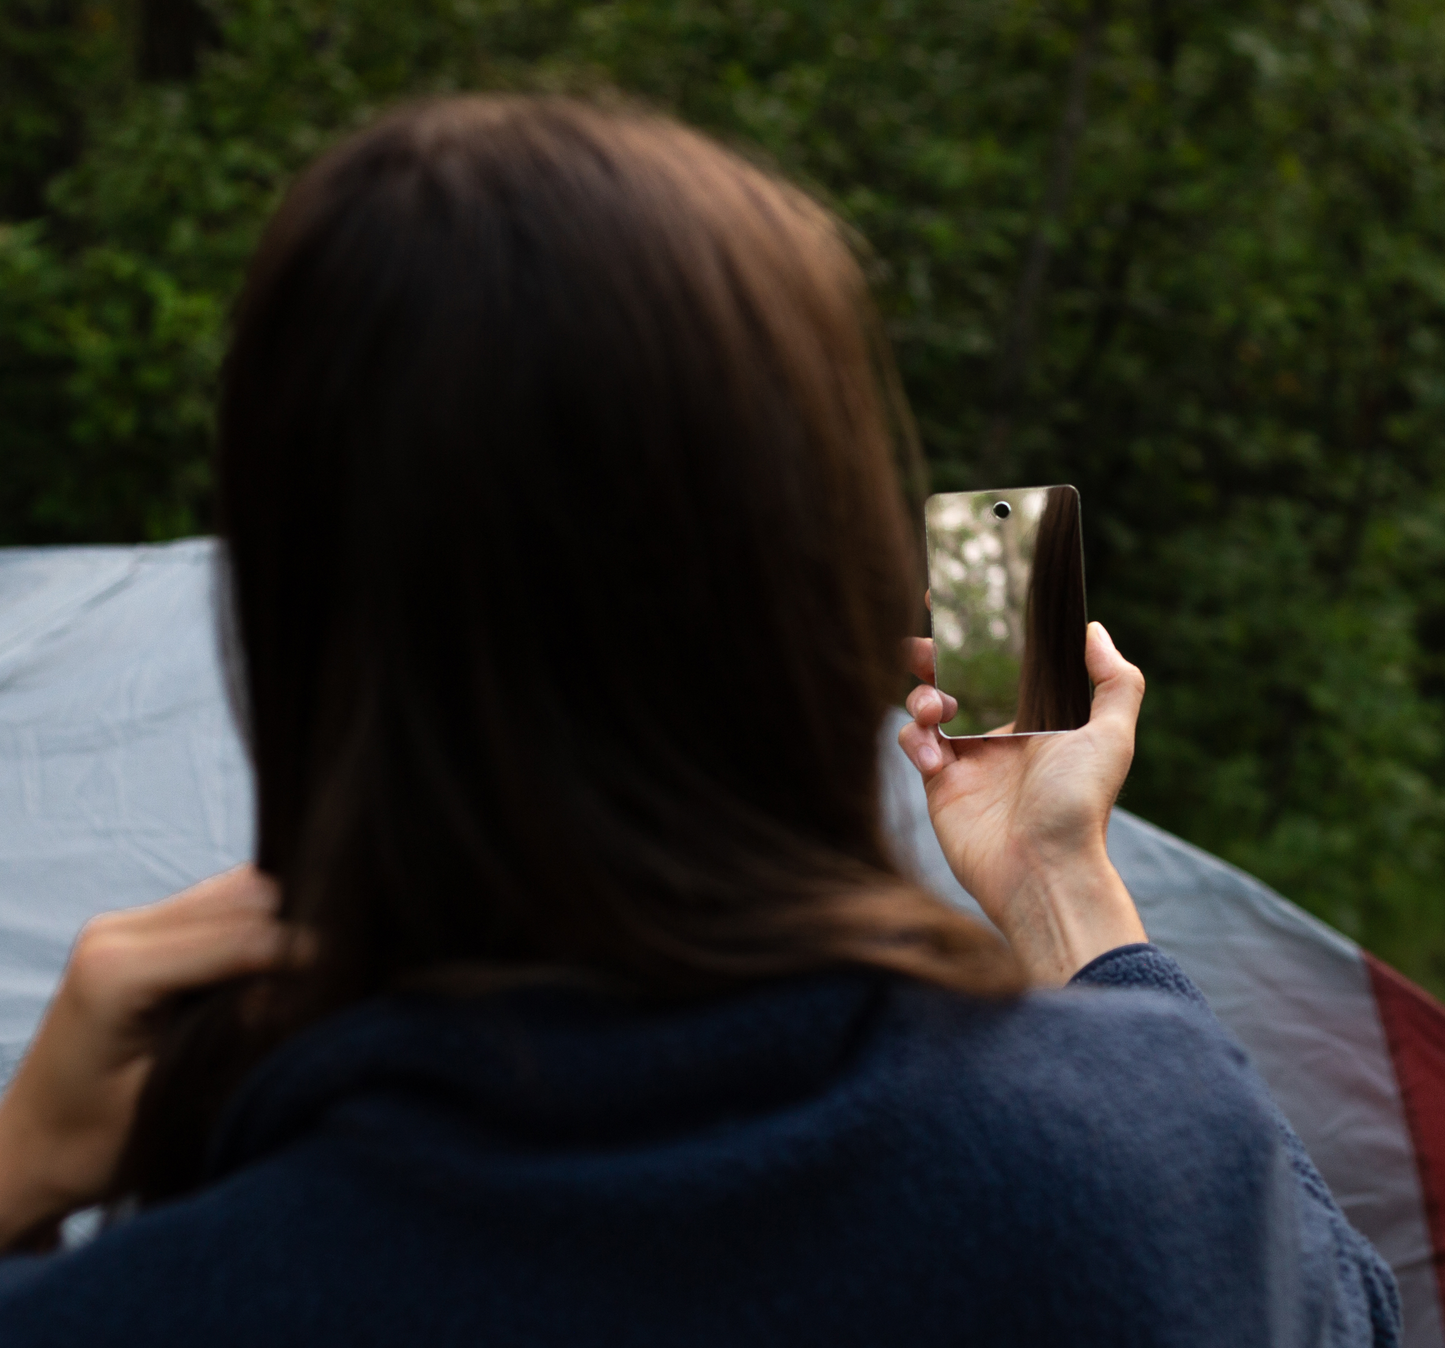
x=1006, y=581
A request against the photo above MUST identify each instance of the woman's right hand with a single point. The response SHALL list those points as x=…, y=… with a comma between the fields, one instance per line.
x=1022, y=820
x=67, y=1114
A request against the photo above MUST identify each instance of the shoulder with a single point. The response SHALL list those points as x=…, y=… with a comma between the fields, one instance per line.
x=1115, y=1096
x=1056, y=1039
x=1114, y=1146
x=186, y=1272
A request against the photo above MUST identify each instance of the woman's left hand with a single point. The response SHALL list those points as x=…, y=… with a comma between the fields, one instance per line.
x=67, y=1114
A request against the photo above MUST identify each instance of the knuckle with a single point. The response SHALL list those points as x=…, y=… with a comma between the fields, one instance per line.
x=94, y=936
x=102, y=944
x=100, y=925
x=94, y=952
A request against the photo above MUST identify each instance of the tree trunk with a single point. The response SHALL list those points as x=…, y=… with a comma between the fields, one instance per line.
x=1016, y=349
x=172, y=34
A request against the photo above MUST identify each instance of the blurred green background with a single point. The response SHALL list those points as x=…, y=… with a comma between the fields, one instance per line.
x=1187, y=254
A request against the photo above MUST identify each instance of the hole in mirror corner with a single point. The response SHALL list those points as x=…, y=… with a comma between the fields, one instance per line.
x=1002, y=510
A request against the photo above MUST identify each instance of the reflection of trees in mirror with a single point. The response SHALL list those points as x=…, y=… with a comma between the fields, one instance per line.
x=980, y=571
x=1017, y=532
x=986, y=684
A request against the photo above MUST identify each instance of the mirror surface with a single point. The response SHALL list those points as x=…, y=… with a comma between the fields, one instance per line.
x=1006, y=575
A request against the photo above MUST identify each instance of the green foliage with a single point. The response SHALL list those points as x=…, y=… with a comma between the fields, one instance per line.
x=1236, y=352
x=105, y=421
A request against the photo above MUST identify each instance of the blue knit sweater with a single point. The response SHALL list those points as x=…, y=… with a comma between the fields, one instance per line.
x=842, y=1159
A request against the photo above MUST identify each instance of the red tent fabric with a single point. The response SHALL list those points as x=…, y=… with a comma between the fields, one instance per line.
x=1414, y=1024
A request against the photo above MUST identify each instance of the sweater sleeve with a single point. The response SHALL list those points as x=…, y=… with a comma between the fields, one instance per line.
x=1349, y=1290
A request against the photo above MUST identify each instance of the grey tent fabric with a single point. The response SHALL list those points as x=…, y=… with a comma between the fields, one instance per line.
x=122, y=780
x=121, y=777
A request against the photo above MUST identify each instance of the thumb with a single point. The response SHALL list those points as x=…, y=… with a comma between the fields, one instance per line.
x=1118, y=685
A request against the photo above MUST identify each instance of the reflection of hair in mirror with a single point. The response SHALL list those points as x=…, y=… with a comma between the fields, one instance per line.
x=1053, y=682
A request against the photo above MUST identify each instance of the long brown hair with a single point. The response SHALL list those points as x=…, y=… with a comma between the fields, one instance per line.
x=569, y=572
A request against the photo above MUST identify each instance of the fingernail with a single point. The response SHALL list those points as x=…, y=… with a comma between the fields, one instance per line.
x=929, y=758
x=950, y=706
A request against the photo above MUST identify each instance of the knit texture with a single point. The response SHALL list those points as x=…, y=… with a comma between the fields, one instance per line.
x=848, y=1158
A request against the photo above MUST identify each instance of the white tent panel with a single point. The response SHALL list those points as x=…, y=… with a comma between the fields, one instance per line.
x=121, y=777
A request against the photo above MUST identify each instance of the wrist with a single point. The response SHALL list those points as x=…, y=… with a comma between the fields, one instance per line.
x=1062, y=916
